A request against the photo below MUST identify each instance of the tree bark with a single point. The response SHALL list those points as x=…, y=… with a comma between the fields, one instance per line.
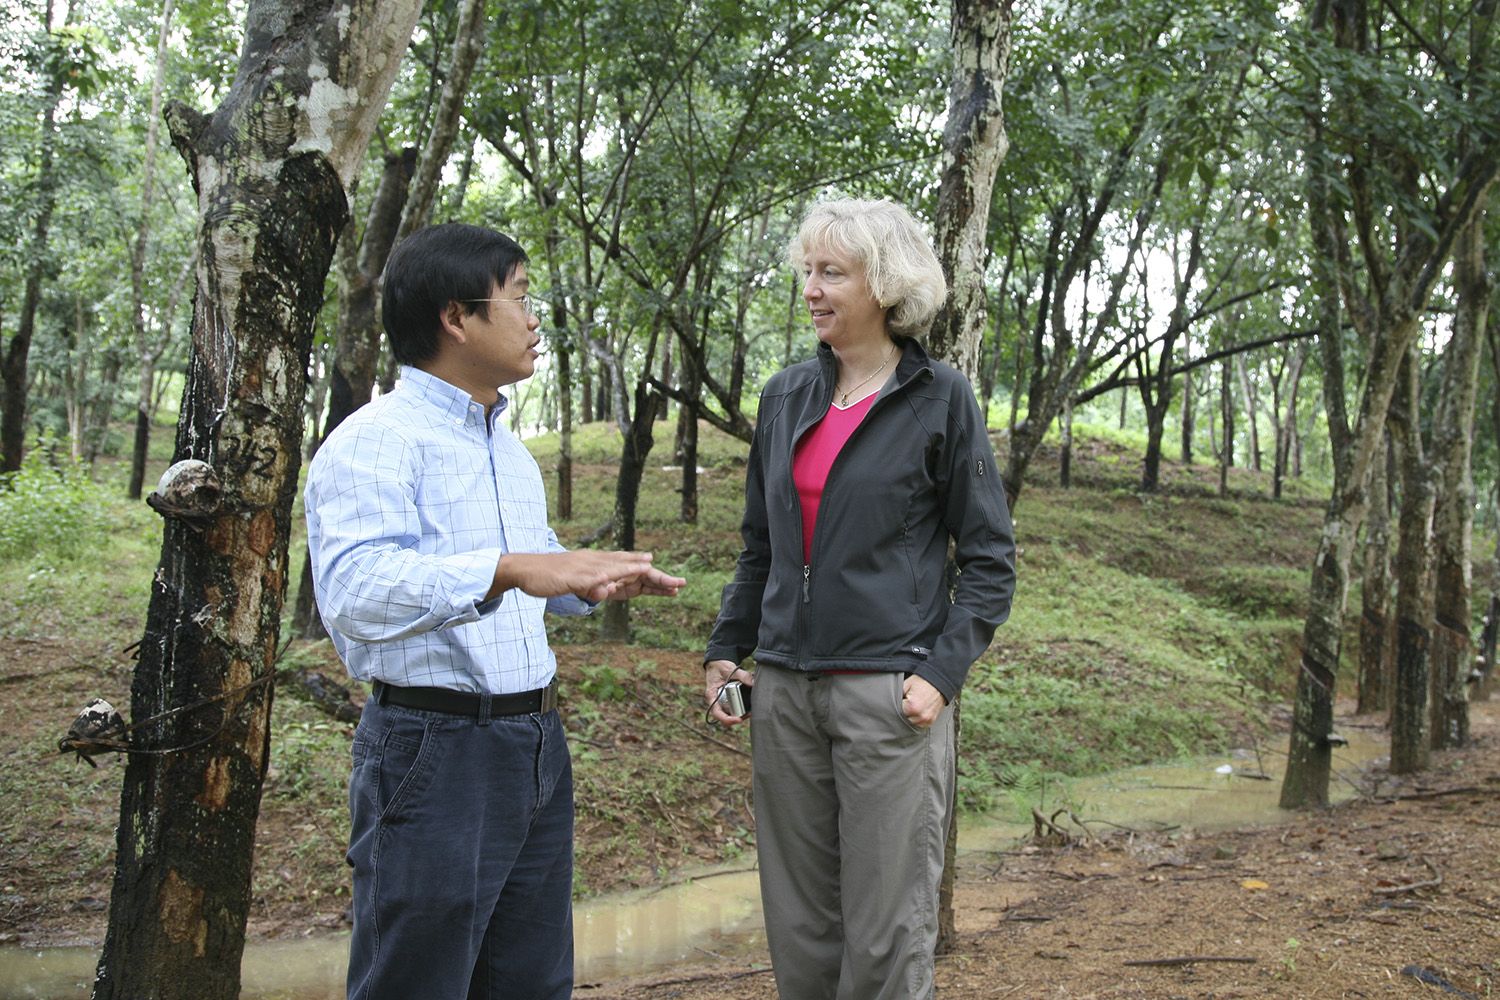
x=687, y=423
x=146, y=357
x=150, y=351
x=1189, y=391
x=1286, y=423
x=1410, y=722
x=14, y=359
x=1375, y=638
x=636, y=441
x=1252, y=410
x=1226, y=433
x=974, y=144
x=1453, y=519
x=1490, y=639
x=1388, y=318
x=271, y=166
x=468, y=46
x=1065, y=447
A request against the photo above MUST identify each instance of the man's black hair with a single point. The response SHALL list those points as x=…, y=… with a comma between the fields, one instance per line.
x=452, y=262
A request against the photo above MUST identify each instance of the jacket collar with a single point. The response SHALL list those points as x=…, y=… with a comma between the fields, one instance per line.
x=914, y=362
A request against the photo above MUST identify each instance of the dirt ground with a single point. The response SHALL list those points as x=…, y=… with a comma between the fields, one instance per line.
x=1393, y=895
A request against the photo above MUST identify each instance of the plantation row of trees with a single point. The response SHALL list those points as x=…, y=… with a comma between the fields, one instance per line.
x=1265, y=225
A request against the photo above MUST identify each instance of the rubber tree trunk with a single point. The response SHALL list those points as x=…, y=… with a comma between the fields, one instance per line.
x=1489, y=639
x=1453, y=520
x=636, y=442
x=1189, y=390
x=463, y=56
x=1226, y=432
x=1251, y=400
x=1410, y=723
x=1286, y=422
x=271, y=167
x=563, y=345
x=1065, y=447
x=146, y=357
x=974, y=144
x=15, y=357
x=1375, y=622
x=1387, y=316
x=1156, y=420
x=687, y=423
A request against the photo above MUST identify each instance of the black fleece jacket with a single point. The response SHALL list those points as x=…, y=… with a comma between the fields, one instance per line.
x=918, y=471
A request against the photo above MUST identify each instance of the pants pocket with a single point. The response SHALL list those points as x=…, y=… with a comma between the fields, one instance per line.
x=398, y=763
x=898, y=684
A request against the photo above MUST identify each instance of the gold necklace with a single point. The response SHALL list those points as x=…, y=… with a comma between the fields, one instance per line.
x=843, y=402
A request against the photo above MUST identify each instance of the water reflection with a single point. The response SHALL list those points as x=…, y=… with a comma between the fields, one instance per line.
x=719, y=914
x=622, y=934
x=1205, y=794
x=641, y=931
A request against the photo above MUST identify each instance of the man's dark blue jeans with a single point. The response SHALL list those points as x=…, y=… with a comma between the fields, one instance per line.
x=462, y=849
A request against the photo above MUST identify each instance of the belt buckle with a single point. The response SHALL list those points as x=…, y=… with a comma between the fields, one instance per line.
x=549, y=698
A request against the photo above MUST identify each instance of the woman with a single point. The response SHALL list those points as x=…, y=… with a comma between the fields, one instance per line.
x=866, y=461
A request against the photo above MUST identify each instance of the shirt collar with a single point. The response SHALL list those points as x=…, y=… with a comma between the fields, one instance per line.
x=447, y=398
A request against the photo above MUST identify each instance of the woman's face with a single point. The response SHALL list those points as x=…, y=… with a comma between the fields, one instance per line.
x=843, y=311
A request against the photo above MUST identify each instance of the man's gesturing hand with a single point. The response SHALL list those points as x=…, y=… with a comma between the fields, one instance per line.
x=594, y=576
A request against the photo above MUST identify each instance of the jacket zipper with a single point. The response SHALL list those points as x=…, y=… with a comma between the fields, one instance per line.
x=803, y=628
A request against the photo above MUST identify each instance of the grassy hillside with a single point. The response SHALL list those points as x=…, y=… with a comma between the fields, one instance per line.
x=1143, y=628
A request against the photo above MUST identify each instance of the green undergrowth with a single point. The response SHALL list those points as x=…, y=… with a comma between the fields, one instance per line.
x=1144, y=628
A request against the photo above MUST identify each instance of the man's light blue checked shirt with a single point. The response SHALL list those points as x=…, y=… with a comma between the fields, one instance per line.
x=410, y=503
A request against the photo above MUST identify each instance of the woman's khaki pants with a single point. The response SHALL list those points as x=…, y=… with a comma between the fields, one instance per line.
x=851, y=816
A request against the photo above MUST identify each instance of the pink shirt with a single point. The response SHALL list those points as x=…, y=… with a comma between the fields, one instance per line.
x=814, y=457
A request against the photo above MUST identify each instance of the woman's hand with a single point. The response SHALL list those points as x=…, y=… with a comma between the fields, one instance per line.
x=717, y=674
x=921, y=702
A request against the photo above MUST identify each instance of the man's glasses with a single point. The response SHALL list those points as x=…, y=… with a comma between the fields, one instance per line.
x=527, y=301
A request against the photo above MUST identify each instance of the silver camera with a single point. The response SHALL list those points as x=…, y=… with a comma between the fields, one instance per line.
x=735, y=698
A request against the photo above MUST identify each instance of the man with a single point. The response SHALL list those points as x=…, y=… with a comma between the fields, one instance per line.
x=433, y=562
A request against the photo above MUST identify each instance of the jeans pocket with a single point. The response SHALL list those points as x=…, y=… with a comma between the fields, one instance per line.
x=400, y=764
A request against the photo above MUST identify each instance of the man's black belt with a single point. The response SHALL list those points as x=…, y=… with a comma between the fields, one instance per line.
x=431, y=699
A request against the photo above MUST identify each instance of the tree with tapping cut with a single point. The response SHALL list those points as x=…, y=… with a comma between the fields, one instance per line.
x=272, y=167
x=974, y=144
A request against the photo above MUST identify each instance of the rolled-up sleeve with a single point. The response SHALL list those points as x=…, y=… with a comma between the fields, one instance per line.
x=374, y=581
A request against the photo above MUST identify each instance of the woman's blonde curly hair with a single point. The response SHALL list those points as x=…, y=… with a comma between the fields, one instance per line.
x=901, y=269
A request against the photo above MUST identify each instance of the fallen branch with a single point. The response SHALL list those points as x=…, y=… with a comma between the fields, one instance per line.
x=1193, y=960
x=1045, y=829
x=683, y=980
x=1427, y=976
x=1440, y=792
x=1263, y=919
x=1432, y=883
x=685, y=879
